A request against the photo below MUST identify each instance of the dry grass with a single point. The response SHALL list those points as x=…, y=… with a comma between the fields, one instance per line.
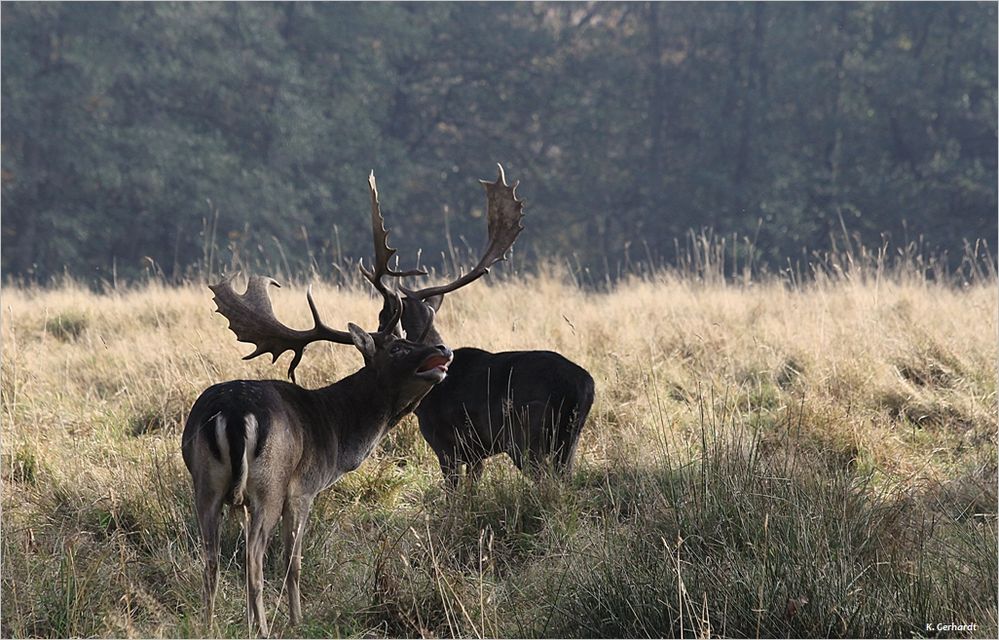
x=761, y=413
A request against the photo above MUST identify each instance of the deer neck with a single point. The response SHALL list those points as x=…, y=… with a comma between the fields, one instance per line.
x=358, y=410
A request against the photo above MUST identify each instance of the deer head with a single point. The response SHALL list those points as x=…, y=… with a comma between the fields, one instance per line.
x=504, y=214
x=251, y=317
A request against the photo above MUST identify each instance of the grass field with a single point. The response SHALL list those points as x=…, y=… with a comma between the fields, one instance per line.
x=763, y=459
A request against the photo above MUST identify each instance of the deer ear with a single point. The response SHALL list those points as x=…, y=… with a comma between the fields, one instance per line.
x=385, y=316
x=363, y=341
x=435, y=302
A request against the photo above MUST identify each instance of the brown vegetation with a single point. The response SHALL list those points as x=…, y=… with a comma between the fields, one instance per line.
x=737, y=430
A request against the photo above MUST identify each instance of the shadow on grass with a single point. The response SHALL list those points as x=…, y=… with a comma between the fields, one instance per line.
x=743, y=544
x=738, y=540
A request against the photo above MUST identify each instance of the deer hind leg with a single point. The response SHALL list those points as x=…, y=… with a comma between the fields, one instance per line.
x=296, y=514
x=263, y=519
x=209, y=510
x=530, y=443
x=443, y=439
x=572, y=429
x=450, y=468
x=568, y=436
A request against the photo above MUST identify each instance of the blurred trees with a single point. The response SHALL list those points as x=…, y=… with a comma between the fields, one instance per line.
x=165, y=135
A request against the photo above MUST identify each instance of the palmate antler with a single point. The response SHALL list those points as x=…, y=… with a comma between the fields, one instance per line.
x=383, y=253
x=504, y=213
x=251, y=317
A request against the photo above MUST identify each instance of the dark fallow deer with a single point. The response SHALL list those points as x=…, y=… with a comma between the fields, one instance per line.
x=530, y=405
x=271, y=446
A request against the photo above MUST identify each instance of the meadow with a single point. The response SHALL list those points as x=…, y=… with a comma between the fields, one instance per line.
x=768, y=457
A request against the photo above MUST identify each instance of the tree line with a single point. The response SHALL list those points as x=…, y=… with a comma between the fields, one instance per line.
x=167, y=136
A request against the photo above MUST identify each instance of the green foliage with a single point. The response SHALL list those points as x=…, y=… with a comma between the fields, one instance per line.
x=173, y=138
x=22, y=466
x=67, y=326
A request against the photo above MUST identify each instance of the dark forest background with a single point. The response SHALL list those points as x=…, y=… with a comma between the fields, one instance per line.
x=162, y=137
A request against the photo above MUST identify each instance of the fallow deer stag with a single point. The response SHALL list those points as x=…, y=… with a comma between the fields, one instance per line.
x=530, y=405
x=272, y=446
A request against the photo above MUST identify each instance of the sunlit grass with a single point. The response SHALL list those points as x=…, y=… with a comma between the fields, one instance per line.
x=761, y=459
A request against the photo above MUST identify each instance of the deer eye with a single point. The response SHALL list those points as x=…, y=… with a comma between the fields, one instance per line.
x=396, y=349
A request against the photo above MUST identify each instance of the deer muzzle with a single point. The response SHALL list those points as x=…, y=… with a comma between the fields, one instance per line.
x=435, y=366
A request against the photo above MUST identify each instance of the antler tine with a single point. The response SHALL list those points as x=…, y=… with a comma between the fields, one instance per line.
x=251, y=317
x=505, y=214
x=383, y=253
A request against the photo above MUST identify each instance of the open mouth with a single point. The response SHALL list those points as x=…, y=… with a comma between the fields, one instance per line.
x=435, y=363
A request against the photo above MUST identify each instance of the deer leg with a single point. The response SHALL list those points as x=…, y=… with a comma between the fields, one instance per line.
x=562, y=460
x=544, y=444
x=209, y=508
x=573, y=429
x=262, y=523
x=521, y=436
x=296, y=514
x=567, y=451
